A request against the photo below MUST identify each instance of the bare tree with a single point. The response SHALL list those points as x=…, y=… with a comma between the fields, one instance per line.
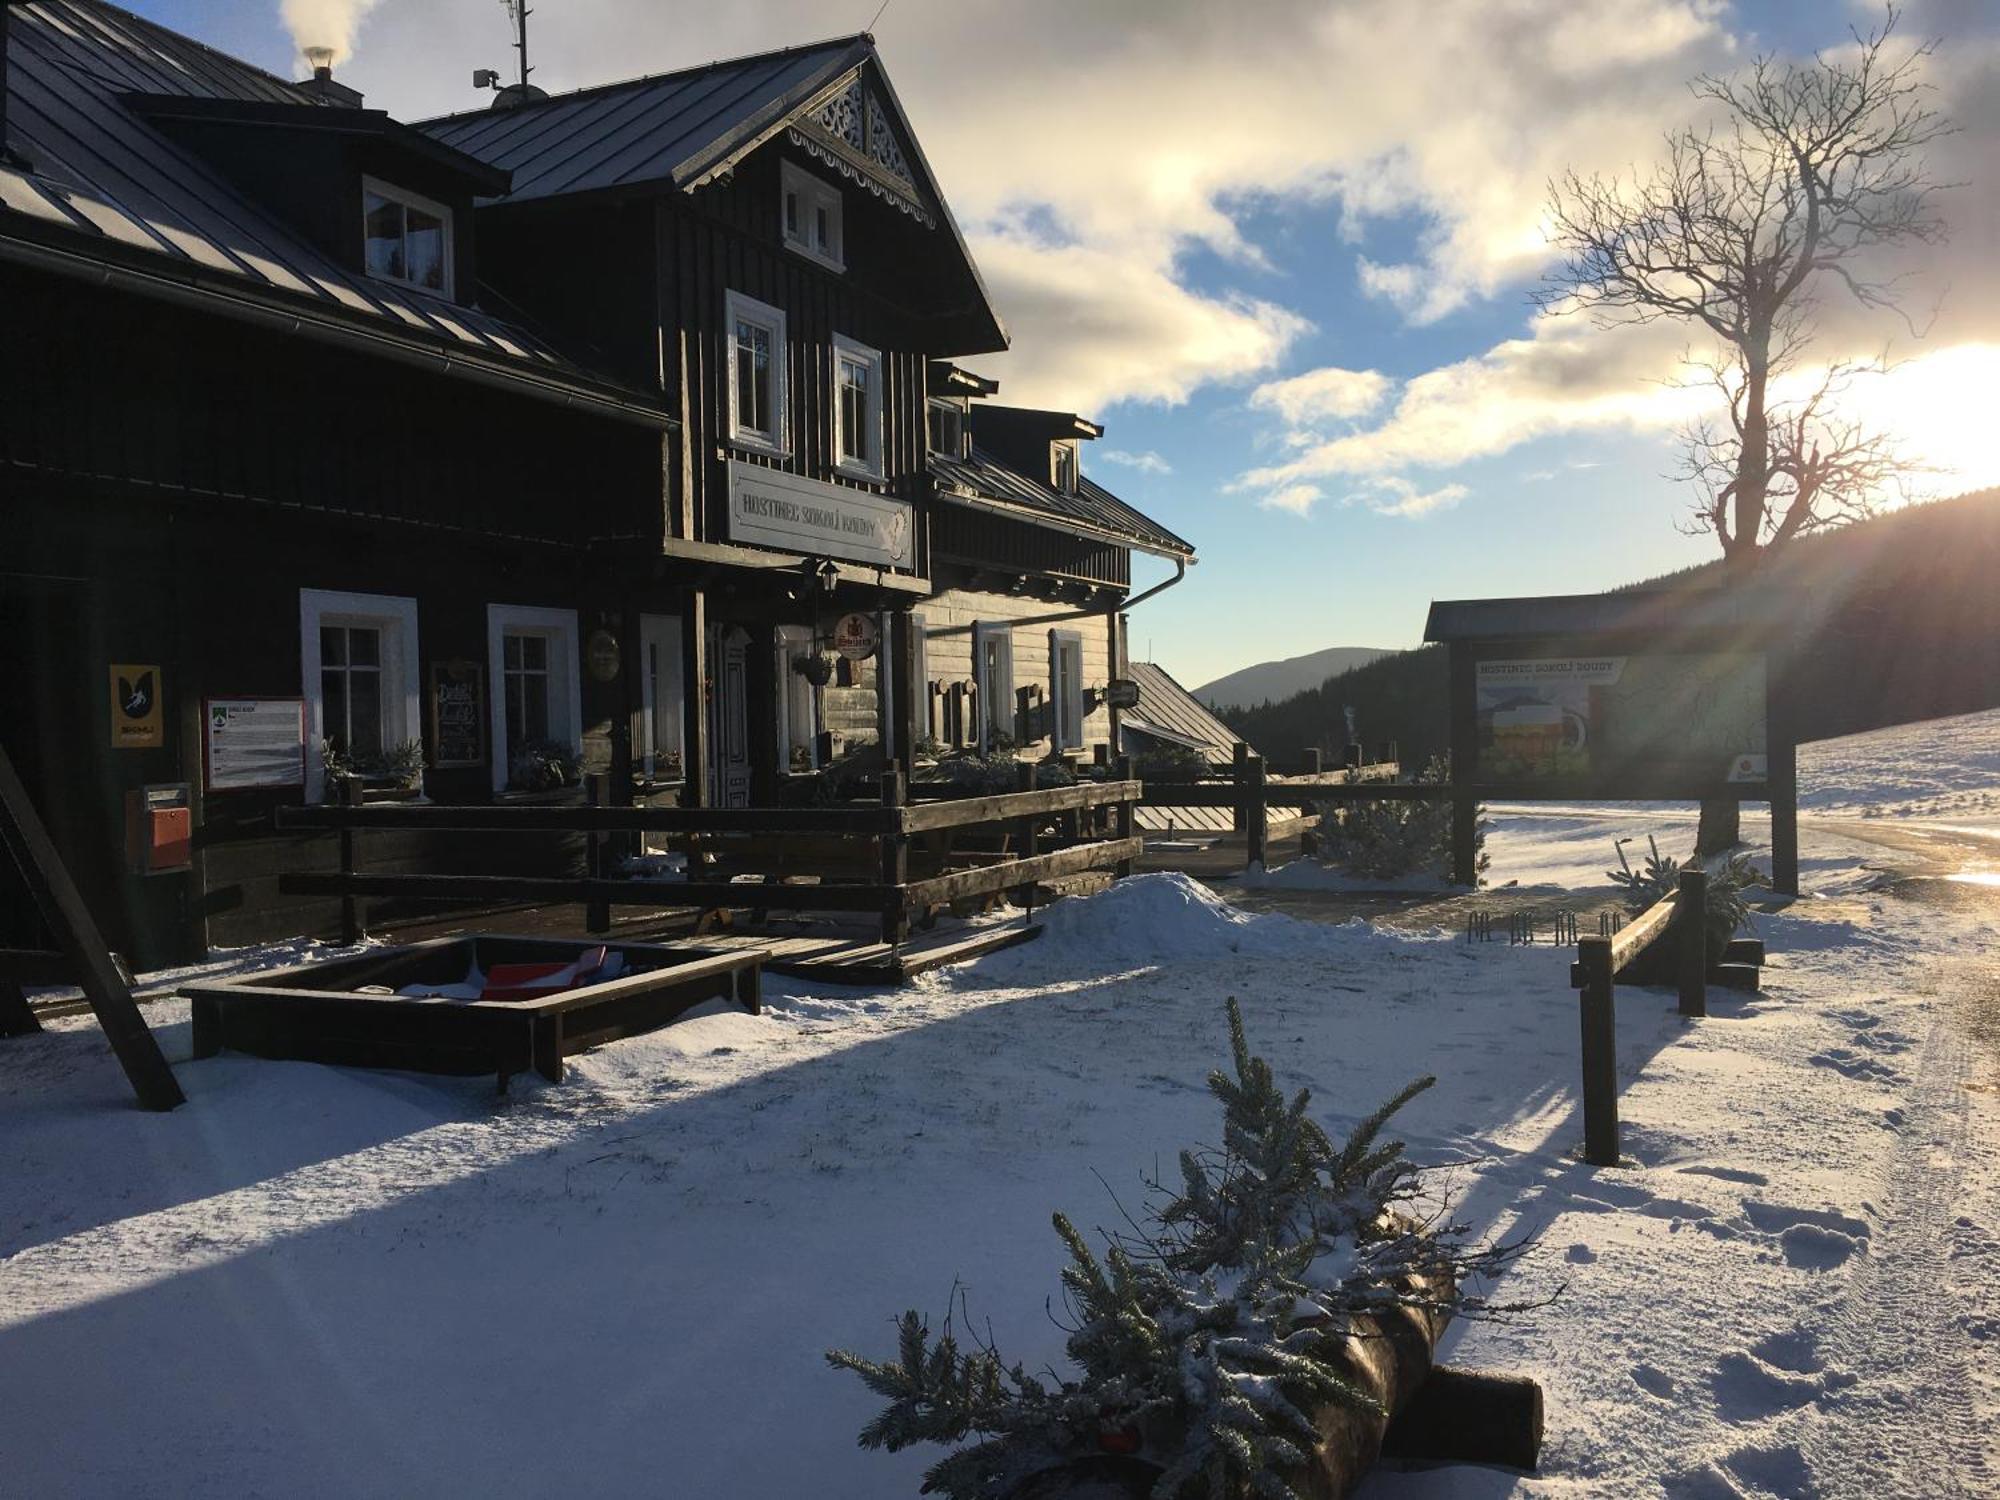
x=1812, y=171
x=1808, y=175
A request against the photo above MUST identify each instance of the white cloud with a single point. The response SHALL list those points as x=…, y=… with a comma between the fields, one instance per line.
x=1391, y=495
x=1175, y=114
x=1299, y=499
x=1148, y=462
x=1329, y=392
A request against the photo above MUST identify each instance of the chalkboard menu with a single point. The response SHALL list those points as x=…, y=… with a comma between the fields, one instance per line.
x=458, y=714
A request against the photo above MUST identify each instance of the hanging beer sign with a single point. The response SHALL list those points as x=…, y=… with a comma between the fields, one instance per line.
x=857, y=636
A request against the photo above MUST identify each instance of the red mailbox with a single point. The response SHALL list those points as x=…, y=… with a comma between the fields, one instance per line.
x=159, y=829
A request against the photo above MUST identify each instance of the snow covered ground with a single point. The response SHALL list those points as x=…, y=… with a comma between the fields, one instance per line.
x=316, y=1281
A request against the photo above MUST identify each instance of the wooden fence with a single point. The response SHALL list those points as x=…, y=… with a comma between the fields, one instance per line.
x=1250, y=787
x=900, y=858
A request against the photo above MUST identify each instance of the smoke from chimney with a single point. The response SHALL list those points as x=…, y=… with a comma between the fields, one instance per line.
x=325, y=23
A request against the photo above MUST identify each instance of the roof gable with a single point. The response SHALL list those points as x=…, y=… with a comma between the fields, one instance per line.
x=677, y=131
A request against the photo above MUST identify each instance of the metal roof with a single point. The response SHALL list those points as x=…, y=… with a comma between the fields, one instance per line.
x=668, y=127
x=1176, y=714
x=984, y=481
x=1747, y=613
x=679, y=130
x=103, y=191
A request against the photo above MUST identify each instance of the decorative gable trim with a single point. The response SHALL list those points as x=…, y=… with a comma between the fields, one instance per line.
x=849, y=127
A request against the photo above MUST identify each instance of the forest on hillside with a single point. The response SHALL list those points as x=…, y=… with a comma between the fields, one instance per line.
x=1897, y=622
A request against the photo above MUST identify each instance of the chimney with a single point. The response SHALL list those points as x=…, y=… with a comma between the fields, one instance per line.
x=321, y=84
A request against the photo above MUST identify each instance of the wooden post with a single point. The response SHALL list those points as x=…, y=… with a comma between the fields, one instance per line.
x=694, y=701
x=1257, y=827
x=1030, y=828
x=1464, y=839
x=1239, y=772
x=1353, y=756
x=1122, y=828
x=1691, y=941
x=17, y=1017
x=1783, y=770
x=352, y=928
x=62, y=909
x=1310, y=763
x=1600, y=1054
x=895, y=864
x=596, y=911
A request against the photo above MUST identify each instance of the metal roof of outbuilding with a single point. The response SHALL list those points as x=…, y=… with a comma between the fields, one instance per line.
x=983, y=480
x=95, y=187
x=1165, y=704
x=1745, y=612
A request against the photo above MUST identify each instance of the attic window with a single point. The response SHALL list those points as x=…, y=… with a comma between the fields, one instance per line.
x=406, y=239
x=810, y=210
x=947, y=428
x=1062, y=467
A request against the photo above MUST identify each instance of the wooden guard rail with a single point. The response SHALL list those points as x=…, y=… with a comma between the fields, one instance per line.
x=1093, y=822
x=1680, y=919
x=1250, y=792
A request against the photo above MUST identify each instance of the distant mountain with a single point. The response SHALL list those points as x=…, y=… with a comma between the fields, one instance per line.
x=1274, y=681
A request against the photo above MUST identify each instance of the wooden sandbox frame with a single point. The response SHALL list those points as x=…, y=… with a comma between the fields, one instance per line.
x=315, y=1012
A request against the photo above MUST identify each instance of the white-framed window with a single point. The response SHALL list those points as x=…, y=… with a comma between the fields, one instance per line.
x=993, y=674
x=358, y=667
x=1066, y=689
x=757, y=362
x=537, y=694
x=405, y=238
x=947, y=428
x=662, y=703
x=857, y=407
x=810, y=213
x=1062, y=467
x=798, y=701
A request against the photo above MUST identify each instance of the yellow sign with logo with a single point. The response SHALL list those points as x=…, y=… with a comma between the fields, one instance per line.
x=135, y=707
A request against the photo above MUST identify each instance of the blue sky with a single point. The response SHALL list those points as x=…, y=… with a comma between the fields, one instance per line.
x=1180, y=205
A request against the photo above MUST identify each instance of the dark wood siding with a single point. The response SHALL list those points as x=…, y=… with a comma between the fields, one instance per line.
x=726, y=237
x=128, y=392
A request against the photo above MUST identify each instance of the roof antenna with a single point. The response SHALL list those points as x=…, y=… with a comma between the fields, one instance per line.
x=522, y=92
x=870, y=27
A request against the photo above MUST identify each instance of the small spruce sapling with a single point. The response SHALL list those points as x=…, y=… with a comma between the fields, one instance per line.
x=1726, y=910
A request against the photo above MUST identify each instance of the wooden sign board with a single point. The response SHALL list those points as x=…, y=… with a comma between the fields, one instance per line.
x=458, y=714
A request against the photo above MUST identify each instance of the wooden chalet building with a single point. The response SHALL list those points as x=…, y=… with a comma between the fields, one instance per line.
x=464, y=449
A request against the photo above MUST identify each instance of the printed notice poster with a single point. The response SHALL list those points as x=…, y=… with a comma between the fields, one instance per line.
x=255, y=742
x=1693, y=717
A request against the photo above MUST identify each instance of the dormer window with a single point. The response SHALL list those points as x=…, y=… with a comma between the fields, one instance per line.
x=405, y=239
x=1062, y=467
x=810, y=211
x=947, y=428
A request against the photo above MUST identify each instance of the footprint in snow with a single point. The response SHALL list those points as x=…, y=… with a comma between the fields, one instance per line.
x=1748, y=1390
x=1813, y=1239
x=1729, y=1174
x=1654, y=1382
x=1846, y=1060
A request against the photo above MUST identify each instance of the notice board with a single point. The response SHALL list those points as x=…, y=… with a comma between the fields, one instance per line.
x=254, y=742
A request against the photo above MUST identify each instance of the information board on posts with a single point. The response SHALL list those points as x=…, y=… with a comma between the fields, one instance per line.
x=1668, y=724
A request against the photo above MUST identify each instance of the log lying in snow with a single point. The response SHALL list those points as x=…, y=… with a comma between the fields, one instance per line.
x=1468, y=1417
x=1444, y=1415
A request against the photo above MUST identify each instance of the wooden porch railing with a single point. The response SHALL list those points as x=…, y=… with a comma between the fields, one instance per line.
x=1250, y=792
x=1044, y=833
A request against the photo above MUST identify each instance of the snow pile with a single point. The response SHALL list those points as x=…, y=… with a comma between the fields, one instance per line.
x=1154, y=919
